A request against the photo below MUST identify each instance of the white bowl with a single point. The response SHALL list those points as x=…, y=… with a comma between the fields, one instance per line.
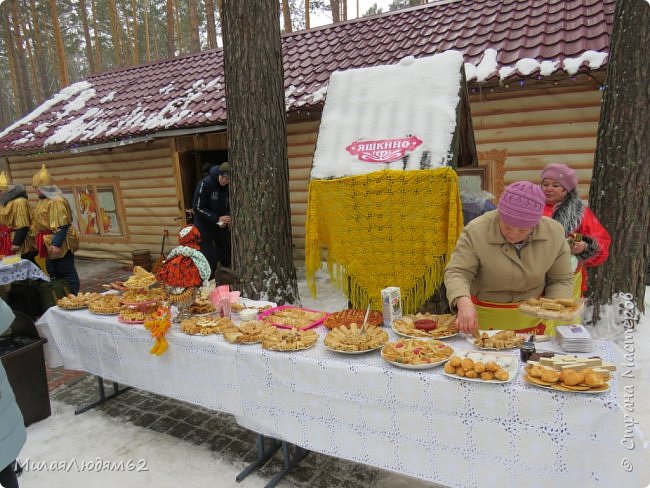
x=248, y=314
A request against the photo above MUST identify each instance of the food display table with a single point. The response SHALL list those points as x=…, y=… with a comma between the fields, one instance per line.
x=358, y=407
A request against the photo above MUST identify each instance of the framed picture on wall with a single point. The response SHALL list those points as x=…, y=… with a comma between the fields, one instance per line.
x=472, y=180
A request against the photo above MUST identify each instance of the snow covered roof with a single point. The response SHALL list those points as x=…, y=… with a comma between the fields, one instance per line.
x=398, y=116
x=500, y=39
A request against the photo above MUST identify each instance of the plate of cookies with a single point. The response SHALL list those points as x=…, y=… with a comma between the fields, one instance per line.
x=482, y=367
x=354, y=339
x=426, y=325
x=416, y=353
x=105, y=305
x=569, y=373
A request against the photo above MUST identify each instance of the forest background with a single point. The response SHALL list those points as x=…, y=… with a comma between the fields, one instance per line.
x=45, y=45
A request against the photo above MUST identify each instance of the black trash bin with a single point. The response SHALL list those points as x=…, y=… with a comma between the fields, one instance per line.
x=21, y=352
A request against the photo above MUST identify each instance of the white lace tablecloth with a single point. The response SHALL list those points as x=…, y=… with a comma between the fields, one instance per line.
x=22, y=270
x=419, y=423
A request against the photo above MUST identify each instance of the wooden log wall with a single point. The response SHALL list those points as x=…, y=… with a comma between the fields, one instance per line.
x=537, y=127
x=301, y=142
x=147, y=182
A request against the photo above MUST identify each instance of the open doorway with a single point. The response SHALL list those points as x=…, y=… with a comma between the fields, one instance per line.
x=194, y=165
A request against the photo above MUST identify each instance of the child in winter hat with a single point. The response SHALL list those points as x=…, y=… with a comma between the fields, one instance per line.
x=561, y=173
x=521, y=204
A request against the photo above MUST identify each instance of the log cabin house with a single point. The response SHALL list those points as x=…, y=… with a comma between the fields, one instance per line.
x=127, y=145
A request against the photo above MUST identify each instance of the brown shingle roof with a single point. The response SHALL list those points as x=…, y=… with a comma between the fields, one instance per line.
x=188, y=92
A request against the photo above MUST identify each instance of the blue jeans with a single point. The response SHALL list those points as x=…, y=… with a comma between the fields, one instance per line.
x=63, y=268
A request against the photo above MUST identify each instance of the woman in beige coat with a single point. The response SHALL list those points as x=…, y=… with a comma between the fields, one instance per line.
x=506, y=256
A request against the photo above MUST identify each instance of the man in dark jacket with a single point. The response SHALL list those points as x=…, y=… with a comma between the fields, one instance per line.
x=212, y=215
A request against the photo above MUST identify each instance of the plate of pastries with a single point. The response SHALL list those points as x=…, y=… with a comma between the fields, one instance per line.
x=416, y=353
x=482, y=367
x=354, y=339
x=350, y=316
x=280, y=339
x=497, y=339
x=426, y=325
x=565, y=309
x=105, y=305
x=251, y=332
x=570, y=373
x=289, y=317
x=76, y=302
x=207, y=325
x=135, y=315
x=202, y=306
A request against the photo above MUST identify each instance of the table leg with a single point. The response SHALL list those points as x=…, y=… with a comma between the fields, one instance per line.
x=263, y=455
x=103, y=398
x=289, y=462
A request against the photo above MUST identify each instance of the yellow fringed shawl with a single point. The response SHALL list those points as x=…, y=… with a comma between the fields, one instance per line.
x=387, y=228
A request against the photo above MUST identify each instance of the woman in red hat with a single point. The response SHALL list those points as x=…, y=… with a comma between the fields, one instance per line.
x=588, y=239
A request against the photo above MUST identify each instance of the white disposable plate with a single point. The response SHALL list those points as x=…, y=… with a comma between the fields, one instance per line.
x=354, y=352
x=421, y=337
x=512, y=370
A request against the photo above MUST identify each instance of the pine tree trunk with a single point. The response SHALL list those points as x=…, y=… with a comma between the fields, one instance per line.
x=336, y=13
x=89, y=44
x=257, y=136
x=60, y=50
x=147, y=38
x=171, y=48
x=619, y=193
x=195, y=43
x=38, y=48
x=344, y=9
x=134, y=40
x=23, y=78
x=116, y=33
x=99, y=60
x=30, y=45
x=306, y=14
x=13, y=66
x=211, y=25
x=286, y=16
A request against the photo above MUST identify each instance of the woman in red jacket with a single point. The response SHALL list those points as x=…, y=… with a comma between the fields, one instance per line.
x=588, y=239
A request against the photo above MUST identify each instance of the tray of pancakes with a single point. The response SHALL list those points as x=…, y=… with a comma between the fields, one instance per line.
x=497, y=339
x=416, y=353
x=565, y=309
x=76, y=302
x=353, y=339
x=105, y=305
x=426, y=325
x=482, y=367
x=208, y=325
x=251, y=332
x=569, y=373
x=289, y=317
x=281, y=339
x=350, y=316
